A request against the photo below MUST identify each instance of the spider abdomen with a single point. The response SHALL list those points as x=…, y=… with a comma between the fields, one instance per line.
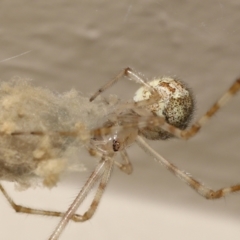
x=175, y=105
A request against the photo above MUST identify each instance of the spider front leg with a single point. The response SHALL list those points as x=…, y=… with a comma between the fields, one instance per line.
x=127, y=72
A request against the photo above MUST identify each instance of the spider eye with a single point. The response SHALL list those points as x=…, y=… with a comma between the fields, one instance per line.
x=116, y=145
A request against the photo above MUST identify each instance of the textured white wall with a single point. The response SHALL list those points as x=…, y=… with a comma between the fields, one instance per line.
x=82, y=44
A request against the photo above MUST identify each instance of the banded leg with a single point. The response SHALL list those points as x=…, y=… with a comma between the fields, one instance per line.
x=205, y=192
x=127, y=72
x=23, y=209
x=102, y=171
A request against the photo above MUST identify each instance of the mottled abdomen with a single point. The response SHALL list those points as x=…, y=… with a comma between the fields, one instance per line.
x=176, y=105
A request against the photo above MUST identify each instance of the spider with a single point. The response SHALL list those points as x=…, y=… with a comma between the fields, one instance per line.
x=161, y=109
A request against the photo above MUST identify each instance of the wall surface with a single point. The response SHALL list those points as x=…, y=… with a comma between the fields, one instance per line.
x=81, y=45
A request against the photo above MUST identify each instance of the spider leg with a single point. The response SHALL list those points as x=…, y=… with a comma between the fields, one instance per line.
x=23, y=209
x=205, y=192
x=102, y=171
x=126, y=165
x=127, y=72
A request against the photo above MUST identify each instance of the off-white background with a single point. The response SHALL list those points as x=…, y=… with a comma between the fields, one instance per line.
x=82, y=44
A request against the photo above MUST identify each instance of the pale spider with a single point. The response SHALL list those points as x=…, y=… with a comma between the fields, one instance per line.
x=161, y=109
